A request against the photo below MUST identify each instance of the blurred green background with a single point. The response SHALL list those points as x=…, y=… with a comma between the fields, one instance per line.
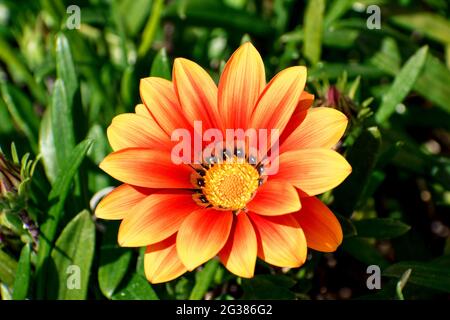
x=60, y=87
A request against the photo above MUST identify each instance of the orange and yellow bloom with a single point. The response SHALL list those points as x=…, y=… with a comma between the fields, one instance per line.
x=186, y=214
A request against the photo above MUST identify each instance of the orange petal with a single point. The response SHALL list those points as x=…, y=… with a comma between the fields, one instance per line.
x=239, y=253
x=275, y=198
x=142, y=110
x=146, y=168
x=161, y=262
x=118, y=203
x=196, y=92
x=322, y=128
x=202, y=235
x=279, y=99
x=130, y=130
x=242, y=81
x=321, y=227
x=313, y=171
x=281, y=241
x=162, y=102
x=304, y=103
x=155, y=218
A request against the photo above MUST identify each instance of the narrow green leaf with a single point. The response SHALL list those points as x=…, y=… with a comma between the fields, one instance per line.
x=8, y=267
x=128, y=86
x=150, y=29
x=388, y=58
x=313, y=26
x=57, y=198
x=403, y=83
x=427, y=274
x=22, y=112
x=432, y=82
x=160, y=65
x=65, y=68
x=362, y=157
x=431, y=25
x=23, y=274
x=337, y=9
x=5, y=292
x=114, y=262
x=203, y=279
x=380, y=228
x=137, y=289
x=70, y=265
x=402, y=283
x=17, y=68
x=62, y=122
x=47, y=147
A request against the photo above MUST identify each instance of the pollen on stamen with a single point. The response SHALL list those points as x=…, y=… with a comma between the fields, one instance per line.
x=228, y=185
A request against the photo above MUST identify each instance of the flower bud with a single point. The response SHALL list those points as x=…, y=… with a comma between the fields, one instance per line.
x=9, y=176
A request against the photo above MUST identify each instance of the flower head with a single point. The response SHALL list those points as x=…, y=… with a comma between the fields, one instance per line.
x=238, y=200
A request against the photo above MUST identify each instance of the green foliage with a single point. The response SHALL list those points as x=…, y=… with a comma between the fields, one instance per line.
x=60, y=88
x=23, y=274
x=65, y=255
x=114, y=262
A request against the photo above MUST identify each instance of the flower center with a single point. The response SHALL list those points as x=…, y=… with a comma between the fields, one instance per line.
x=229, y=184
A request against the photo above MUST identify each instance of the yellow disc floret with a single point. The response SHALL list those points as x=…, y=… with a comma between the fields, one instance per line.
x=230, y=185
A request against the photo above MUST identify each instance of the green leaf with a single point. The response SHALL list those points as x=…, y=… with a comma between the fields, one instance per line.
x=71, y=264
x=62, y=122
x=160, y=65
x=432, y=82
x=364, y=251
x=8, y=267
x=203, y=279
x=427, y=274
x=137, y=13
x=47, y=147
x=65, y=68
x=23, y=274
x=431, y=25
x=337, y=9
x=127, y=86
x=388, y=58
x=362, y=157
x=313, y=30
x=402, y=283
x=137, y=289
x=150, y=29
x=403, y=83
x=22, y=112
x=114, y=262
x=13, y=60
x=263, y=287
x=380, y=228
x=57, y=198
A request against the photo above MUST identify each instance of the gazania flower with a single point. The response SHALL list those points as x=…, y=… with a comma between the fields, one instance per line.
x=186, y=214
